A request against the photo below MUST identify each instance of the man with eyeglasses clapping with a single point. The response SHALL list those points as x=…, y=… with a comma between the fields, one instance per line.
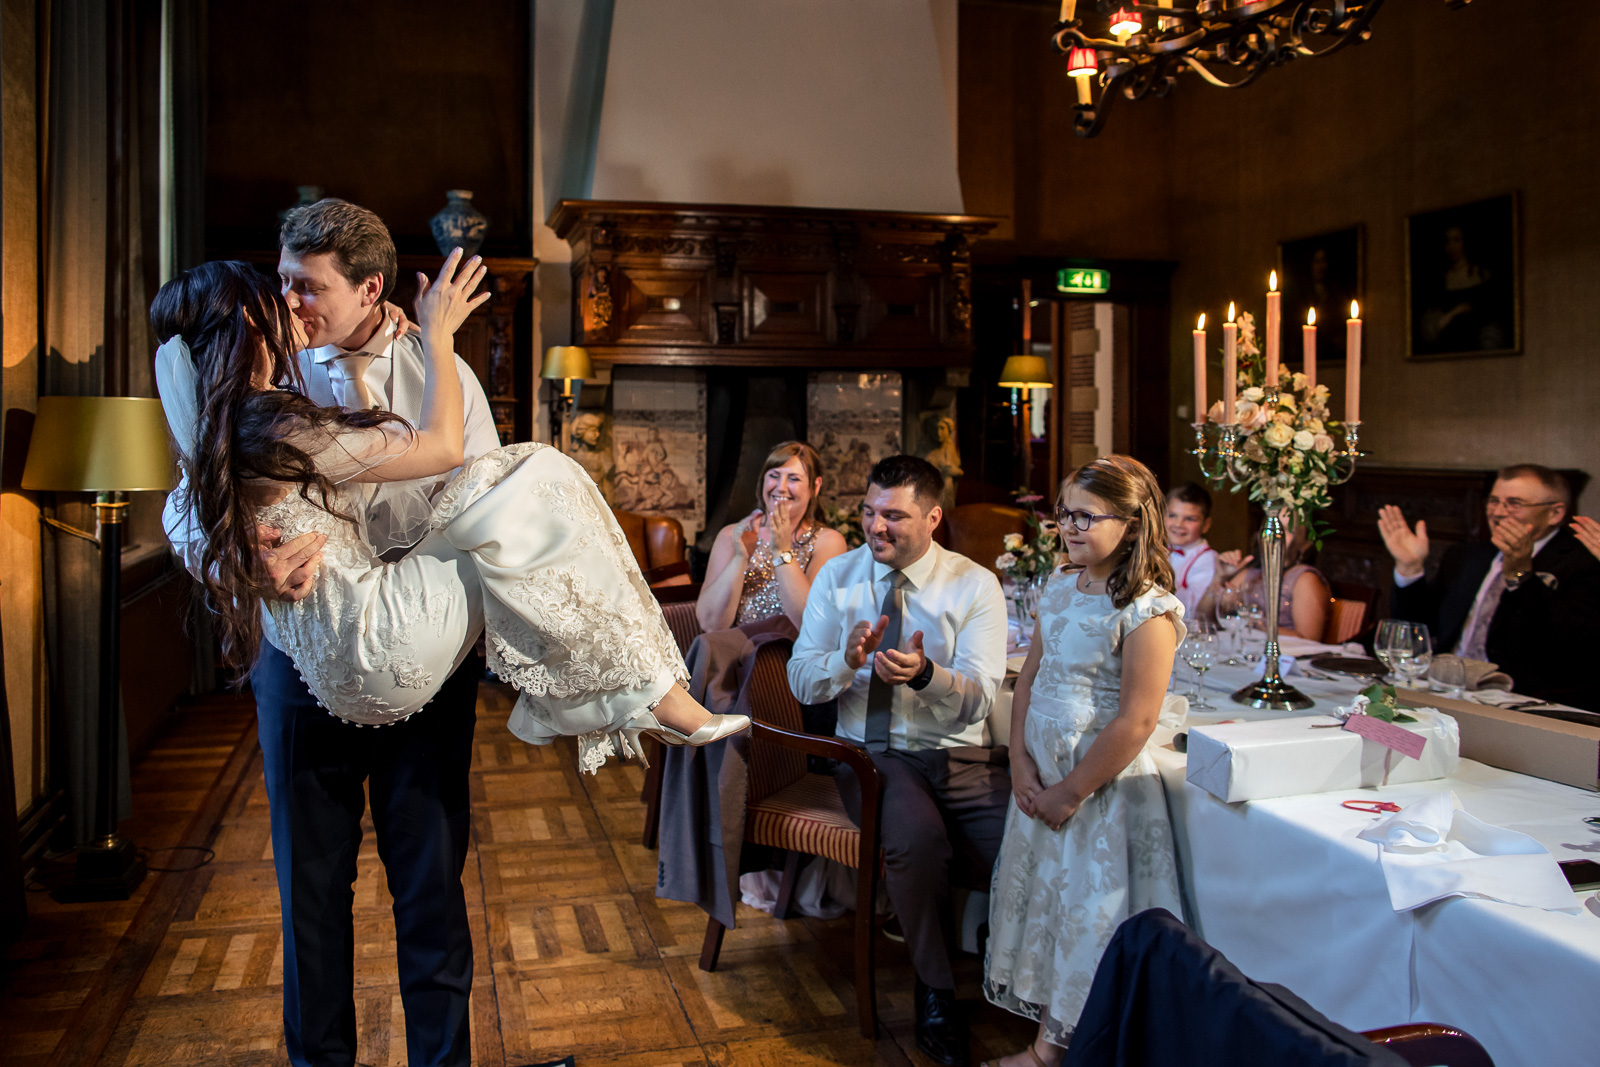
x=1528, y=600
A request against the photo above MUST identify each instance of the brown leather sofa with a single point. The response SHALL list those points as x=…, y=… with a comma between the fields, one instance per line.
x=658, y=544
x=978, y=531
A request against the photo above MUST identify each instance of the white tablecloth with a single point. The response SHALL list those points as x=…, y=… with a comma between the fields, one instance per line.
x=1287, y=892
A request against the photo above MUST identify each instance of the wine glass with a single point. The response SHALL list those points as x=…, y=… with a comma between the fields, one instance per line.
x=1200, y=652
x=1231, y=620
x=1406, y=648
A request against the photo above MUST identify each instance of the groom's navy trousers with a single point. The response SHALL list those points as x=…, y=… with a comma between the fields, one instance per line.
x=416, y=772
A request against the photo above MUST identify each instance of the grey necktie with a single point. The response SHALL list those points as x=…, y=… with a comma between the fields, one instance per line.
x=1476, y=645
x=880, y=694
x=346, y=375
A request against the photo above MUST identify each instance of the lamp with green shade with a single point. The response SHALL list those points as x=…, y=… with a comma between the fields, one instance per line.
x=567, y=364
x=109, y=446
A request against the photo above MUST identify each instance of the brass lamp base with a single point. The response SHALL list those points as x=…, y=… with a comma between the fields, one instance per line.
x=1273, y=694
x=108, y=869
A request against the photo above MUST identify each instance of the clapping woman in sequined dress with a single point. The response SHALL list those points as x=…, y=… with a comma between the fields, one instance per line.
x=762, y=565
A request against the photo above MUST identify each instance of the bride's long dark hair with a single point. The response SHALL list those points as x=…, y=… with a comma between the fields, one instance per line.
x=227, y=312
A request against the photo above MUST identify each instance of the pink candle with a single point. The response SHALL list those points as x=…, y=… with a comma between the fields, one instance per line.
x=1200, y=369
x=1308, y=333
x=1352, y=365
x=1230, y=367
x=1274, y=330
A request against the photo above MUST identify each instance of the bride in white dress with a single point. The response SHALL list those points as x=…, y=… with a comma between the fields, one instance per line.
x=520, y=543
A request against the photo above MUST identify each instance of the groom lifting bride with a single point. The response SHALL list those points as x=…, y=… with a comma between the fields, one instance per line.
x=302, y=412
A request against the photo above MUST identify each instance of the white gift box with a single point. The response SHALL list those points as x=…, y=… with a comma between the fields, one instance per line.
x=1287, y=757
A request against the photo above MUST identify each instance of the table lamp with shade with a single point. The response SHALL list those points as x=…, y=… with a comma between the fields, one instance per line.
x=566, y=364
x=1021, y=374
x=109, y=446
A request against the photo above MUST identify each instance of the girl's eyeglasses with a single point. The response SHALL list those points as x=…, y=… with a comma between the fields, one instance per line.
x=1080, y=520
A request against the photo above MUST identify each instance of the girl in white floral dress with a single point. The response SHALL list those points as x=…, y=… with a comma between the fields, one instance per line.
x=1087, y=842
x=519, y=544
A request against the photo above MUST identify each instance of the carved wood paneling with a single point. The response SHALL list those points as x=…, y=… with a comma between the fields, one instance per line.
x=778, y=286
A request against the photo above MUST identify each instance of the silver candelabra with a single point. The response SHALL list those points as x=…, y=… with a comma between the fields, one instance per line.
x=1220, y=459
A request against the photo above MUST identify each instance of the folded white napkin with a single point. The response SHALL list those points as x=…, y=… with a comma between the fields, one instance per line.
x=1432, y=849
x=1300, y=646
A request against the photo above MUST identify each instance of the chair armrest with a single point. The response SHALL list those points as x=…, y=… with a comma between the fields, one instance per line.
x=665, y=571
x=854, y=756
x=676, y=594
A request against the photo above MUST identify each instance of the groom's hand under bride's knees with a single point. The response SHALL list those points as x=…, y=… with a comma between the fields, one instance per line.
x=291, y=565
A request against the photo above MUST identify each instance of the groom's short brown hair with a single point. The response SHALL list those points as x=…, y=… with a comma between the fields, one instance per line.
x=357, y=238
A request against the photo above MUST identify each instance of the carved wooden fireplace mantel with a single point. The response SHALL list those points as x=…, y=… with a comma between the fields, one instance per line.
x=732, y=285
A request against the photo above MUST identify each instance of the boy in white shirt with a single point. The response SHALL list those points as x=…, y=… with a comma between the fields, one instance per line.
x=1194, y=561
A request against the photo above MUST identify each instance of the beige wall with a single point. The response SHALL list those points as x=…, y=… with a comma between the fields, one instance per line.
x=21, y=601
x=1432, y=112
x=829, y=103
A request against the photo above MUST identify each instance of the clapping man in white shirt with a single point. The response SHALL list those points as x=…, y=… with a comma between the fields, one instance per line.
x=337, y=266
x=1525, y=600
x=911, y=638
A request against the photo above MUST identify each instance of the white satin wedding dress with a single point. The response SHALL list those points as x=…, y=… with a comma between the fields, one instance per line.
x=522, y=540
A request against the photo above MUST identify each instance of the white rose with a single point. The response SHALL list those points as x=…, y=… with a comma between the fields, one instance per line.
x=1297, y=381
x=1253, y=394
x=1215, y=413
x=1323, y=443
x=1315, y=426
x=1278, y=435
x=1304, y=440
x=1005, y=562
x=1013, y=542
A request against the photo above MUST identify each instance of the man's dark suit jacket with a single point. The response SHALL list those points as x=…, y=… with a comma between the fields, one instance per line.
x=1545, y=634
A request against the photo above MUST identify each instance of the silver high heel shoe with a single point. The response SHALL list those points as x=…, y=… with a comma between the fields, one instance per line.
x=645, y=724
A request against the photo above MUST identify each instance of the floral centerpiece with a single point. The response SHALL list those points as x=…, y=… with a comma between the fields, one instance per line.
x=847, y=523
x=1029, y=558
x=1284, y=453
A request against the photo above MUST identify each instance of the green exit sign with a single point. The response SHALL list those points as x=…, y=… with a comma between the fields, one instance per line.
x=1083, y=280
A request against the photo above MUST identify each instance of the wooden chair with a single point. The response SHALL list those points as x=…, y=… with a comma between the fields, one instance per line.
x=978, y=531
x=1345, y=620
x=1431, y=1045
x=1365, y=595
x=658, y=544
x=792, y=809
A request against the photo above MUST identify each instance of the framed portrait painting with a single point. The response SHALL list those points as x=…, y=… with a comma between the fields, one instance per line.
x=1462, y=281
x=1322, y=272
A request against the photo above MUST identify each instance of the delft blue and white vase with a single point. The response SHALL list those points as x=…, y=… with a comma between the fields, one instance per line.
x=459, y=224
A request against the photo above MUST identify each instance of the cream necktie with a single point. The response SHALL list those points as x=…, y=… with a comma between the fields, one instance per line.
x=345, y=374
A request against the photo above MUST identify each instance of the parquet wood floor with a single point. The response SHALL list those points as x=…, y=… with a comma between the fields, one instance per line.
x=574, y=953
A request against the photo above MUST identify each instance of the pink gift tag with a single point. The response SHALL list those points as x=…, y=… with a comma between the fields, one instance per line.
x=1387, y=734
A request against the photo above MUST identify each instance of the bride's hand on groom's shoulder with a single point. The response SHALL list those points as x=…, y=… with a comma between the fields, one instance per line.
x=445, y=302
x=399, y=325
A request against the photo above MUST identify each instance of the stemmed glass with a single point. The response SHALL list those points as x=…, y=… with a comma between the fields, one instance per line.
x=1231, y=619
x=1406, y=648
x=1200, y=652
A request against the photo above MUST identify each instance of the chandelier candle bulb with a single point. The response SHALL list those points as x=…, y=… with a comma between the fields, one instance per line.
x=1352, y=365
x=1085, y=94
x=1069, y=10
x=1230, y=366
x=1200, y=370
x=1308, y=334
x=1274, y=331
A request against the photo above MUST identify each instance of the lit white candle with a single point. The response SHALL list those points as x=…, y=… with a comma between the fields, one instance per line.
x=1274, y=329
x=1200, y=369
x=1230, y=366
x=1352, y=365
x=1308, y=333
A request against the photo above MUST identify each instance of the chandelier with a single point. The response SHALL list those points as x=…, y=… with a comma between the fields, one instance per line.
x=1229, y=43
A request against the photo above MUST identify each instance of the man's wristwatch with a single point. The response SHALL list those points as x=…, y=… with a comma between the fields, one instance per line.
x=782, y=558
x=1514, y=579
x=924, y=676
